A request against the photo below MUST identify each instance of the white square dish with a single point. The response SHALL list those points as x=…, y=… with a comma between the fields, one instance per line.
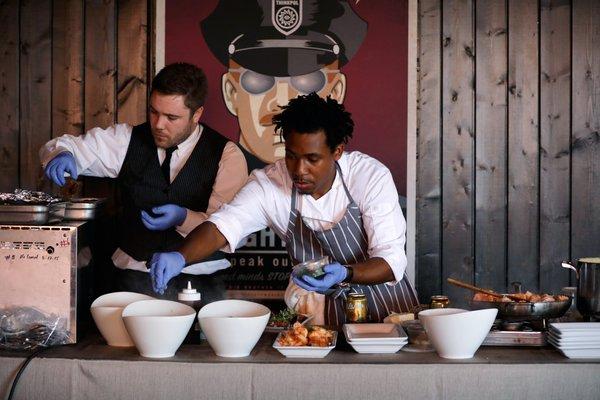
x=374, y=333
x=567, y=327
x=581, y=353
x=304, y=351
x=574, y=346
x=569, y=339
x=377, y=348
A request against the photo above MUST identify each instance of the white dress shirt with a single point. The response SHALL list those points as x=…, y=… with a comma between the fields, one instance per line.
x=101, y=152
x=265, y=201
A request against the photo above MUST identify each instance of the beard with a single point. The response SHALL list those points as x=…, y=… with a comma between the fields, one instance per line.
x=164, y=140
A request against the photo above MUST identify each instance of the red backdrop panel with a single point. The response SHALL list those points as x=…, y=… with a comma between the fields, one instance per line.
x=376, y=91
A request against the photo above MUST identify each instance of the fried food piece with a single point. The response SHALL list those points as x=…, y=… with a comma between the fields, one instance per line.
x=546, y=298
x=484, y=297
x=320, y=337
x=522, y=296
x=296, y=336
x=535, y=298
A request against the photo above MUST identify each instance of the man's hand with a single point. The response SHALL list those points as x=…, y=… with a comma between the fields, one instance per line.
x=168, y=216
x=56, y=168
x=334, y=274
x=163, y=267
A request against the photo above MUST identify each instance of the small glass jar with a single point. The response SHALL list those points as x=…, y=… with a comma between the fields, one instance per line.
x=416, y=334
x=439, y=302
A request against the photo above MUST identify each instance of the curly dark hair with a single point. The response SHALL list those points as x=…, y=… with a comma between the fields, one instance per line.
x=183, y=79
x=310, y=114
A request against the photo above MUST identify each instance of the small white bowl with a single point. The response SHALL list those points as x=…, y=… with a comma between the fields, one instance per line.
x=457, y=333
x=158, y=327
x=106, y=311
x=233, y=327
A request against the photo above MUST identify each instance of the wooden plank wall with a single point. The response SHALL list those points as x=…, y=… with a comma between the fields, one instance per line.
x=508, y=163
x=68, y=66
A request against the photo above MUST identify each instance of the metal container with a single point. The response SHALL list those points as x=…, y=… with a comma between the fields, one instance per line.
x=47, y=268
x=84, y=209
x=357, y=309
x=515, y=311
x=31, y=214
x=588, y=286
x=439, y=302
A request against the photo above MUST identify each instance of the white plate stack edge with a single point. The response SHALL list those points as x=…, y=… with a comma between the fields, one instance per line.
x=576, y=339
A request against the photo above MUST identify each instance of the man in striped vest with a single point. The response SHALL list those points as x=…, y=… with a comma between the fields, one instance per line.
x=321, y=201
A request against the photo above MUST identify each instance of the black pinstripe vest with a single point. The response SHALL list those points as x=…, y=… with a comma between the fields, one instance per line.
x=143, y=186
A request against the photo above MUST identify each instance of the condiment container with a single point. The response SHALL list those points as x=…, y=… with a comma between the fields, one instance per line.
x=191, y=297
x=416, y=334
x=439, y=302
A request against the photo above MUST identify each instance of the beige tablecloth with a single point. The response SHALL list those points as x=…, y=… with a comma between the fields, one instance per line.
x=95, y=371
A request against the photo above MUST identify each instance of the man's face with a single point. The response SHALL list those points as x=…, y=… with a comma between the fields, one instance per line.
x=256, y=98
x=171, y=121
x=310, y=162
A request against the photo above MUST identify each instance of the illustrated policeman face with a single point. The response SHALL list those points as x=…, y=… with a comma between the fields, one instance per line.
x=310, y=162
x=171, y=121
x=255, y=98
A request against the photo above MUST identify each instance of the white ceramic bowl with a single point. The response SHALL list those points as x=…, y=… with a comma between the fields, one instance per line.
x=158, y=327
x=106, y=311
x=232, y=327
x=457, y=333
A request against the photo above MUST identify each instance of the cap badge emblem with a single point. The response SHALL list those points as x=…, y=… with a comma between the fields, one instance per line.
x=286, y=15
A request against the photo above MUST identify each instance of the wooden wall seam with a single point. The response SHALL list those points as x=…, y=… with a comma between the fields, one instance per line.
x=9, y=95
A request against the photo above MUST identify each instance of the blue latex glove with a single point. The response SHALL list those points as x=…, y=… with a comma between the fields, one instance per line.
x=56, y=168
x=334, y=274
x=168, y=216
x=163, y=267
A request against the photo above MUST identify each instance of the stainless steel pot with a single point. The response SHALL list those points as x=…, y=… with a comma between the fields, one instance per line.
x=588, y=286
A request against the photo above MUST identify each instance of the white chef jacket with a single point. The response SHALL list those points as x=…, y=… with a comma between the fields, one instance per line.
x=265, y=201
x=101, y=152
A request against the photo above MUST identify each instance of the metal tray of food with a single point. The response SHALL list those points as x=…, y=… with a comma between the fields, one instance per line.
x=83, y=209
x=31, y=214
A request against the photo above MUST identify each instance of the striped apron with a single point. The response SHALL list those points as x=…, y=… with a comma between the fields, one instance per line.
x=346, y=242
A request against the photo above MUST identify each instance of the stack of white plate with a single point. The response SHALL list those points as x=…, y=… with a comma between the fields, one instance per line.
x=576, y=339
x=375, y=338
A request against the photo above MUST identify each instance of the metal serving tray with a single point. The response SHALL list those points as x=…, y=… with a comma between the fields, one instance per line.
x=31, y=214
x=84, y=209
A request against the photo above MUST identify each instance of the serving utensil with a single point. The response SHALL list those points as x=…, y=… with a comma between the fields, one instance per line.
x=465, y=285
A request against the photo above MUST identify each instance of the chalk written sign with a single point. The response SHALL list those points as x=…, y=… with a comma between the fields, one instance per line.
x=262, y=264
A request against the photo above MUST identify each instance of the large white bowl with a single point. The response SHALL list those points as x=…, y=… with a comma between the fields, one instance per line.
x=106, y=311
x=457, y=333
x=232, y=327
x=158, y=327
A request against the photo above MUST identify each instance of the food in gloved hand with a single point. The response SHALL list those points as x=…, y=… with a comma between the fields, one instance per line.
x=526, y=297
x=312, y=268
x=71, y=188
x=298, y=335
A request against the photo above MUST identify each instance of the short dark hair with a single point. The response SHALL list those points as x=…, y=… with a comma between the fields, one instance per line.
x=182, y=79
x=310, y=114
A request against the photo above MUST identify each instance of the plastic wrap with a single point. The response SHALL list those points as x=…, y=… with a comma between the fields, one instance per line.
x=26, y=328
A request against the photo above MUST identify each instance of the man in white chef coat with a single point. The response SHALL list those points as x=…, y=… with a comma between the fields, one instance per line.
x=320, y=200
x=172, y=171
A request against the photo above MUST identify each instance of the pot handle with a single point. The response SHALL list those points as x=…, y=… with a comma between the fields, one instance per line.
x=567, y=264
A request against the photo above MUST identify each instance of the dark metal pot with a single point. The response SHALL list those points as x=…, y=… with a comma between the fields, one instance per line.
x=588, y=286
